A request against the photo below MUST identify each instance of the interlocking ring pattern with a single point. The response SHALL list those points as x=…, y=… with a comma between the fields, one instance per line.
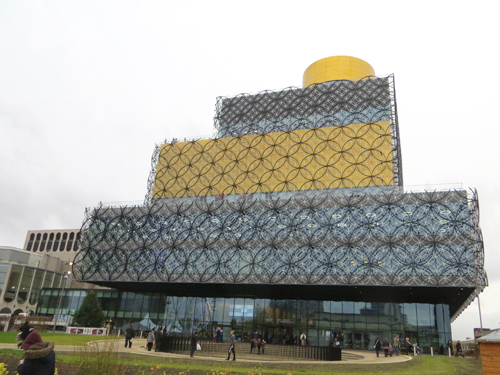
x=331, y=135
x=424, y=239
x=299, y=187
x=347, y=102
x=328, y=157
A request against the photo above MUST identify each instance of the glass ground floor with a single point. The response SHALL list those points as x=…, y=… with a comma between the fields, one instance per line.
x=279, y=321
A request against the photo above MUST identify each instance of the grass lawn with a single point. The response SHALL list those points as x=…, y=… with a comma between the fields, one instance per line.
x=132, y=364
x=57, y=338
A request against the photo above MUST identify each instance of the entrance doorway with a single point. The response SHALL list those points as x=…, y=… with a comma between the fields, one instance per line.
x=281, y=334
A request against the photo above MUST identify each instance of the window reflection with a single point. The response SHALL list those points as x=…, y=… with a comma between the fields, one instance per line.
x=24, y=287
x=4, y=268
x=280, y=322
x=13, y=283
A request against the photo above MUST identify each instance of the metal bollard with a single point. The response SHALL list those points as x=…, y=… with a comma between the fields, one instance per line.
x=432, y=351
x=449, y=352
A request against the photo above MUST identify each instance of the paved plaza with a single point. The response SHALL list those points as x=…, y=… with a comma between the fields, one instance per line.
x=139, y=348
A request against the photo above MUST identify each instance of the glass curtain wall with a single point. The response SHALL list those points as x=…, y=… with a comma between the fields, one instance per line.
x=37, y=286
x=4, y=269
x=25, y=286
x=13, y=283
x=277, y=321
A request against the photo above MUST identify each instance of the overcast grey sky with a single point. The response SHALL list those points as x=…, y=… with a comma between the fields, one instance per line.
x=88, y=87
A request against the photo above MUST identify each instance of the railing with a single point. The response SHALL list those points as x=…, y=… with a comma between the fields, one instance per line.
x=434, y=187
x=182, y=344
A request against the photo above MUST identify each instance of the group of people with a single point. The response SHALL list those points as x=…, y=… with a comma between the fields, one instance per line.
x=410, y=348
x=232, y=345
x=257, y=341
x=389, y=349
x=219, y=335
x=458, y=348
x=154, y=338
x=336, y=340
x=38, y=356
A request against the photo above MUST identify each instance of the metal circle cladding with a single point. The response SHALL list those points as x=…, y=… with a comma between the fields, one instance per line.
x=383, y=239
x=328, y=157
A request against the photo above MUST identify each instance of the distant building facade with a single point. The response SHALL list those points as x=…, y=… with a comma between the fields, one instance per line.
x=42, y=264
x=23, y=274
x=62, y=244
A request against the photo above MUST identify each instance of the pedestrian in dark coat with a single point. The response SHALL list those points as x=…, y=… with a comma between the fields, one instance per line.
x=158, y=335
x=386, y=347
x=332, y=340
x=25, y=331
x=449, y=345
x=129, y=335
x=377, y=346
x=341, y=339
x=408, y=346
x=193, y=343
x=232, y=348
x=458, y=348
x=38, y=357
x=258, y=342
x=221, y=335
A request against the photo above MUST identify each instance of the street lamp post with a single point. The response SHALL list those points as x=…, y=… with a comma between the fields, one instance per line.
x=65, y=277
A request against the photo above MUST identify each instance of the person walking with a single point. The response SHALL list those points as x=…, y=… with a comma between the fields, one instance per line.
x=25, y=331
x=303, y=339
x=216, y=335
x=158, y=335
x=221, y=335
x=232, y=345
x=38, y=357
x=396, y=345
x=332, y=340
x=129, y=335
x=151, y=339
x=377, y=346
x=194, y=341
x=449, y=346
x=386, y=347
x=458, y=349
x=408, y=346
x=340, y=339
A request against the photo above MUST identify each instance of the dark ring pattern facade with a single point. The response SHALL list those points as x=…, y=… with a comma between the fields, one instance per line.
x=420, y=239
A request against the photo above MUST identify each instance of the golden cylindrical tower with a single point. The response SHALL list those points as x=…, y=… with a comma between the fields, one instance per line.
x=336, y=68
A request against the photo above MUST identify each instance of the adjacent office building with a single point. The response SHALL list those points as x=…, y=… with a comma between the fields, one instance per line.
x=294, y=218
x=43, y=263
x=22, y=276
